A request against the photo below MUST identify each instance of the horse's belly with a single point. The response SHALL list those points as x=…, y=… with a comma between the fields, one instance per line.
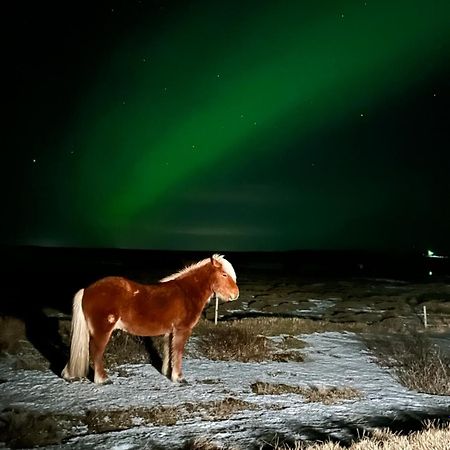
x=142, y=329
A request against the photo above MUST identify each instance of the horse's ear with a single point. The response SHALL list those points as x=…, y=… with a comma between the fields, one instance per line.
x=215, y=263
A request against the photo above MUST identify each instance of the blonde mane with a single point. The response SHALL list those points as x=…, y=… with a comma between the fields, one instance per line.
x=219, y=258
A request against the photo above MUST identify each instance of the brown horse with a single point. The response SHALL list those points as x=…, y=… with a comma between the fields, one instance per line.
x=171, y=308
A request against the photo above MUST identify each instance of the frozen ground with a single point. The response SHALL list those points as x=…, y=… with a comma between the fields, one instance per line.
x=333, y=359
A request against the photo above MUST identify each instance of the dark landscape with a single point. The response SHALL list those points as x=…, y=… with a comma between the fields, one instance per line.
x=69, y=269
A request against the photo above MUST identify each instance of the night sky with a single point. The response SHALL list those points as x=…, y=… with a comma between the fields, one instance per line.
x=231, y=125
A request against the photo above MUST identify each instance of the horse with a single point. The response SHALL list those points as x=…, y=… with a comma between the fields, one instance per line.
x=171, y=307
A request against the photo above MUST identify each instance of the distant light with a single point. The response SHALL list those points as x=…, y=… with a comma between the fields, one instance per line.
x=431, y=254
x=430, y=273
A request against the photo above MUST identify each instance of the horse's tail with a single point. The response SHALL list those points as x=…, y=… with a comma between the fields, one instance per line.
x=78, y=364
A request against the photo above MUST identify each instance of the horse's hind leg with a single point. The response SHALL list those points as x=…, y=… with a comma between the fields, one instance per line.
x=97, y=349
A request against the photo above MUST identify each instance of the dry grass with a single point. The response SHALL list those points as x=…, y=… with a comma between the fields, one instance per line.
x=239, y=344
x=125, y=418
x=274, y=326
x=325, y=395
x=330, y=395
x=232, y=341
x=222, y=409
x=12, y=334
x=415, y=360
x=432, y=438
x=243, y=341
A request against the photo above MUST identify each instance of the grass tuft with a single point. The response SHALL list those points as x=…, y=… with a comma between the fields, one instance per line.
x=416, y=361
x=242, y=341
x=325, y=395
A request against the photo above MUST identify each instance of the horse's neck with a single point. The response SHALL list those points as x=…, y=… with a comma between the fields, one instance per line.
x=197, y=287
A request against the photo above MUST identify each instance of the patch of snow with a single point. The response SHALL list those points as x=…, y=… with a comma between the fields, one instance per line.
x=123, y=446
x=366, y=309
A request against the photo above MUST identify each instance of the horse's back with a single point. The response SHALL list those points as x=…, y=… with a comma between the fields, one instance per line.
x=118, y=293
x=109, y=294
x=113, y=283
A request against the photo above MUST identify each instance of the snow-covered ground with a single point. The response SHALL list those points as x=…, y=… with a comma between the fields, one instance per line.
x=332, y=359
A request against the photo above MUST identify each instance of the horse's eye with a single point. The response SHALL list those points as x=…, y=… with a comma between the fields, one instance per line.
x=224, y=275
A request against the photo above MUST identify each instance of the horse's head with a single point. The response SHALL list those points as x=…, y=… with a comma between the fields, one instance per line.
x=224, y=279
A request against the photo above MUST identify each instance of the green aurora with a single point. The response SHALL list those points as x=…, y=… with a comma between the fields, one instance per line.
x=250, y=126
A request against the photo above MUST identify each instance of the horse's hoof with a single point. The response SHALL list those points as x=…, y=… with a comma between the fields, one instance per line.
x=102, y=381
x=72, y=379
x=182, y=381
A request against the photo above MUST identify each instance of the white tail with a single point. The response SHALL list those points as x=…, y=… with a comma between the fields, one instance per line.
x=78, y=364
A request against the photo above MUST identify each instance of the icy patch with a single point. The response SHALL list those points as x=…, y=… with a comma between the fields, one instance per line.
x=318, y=307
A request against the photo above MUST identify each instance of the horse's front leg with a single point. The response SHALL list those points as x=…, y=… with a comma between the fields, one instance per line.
x=165, y=370
x=179, y=339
